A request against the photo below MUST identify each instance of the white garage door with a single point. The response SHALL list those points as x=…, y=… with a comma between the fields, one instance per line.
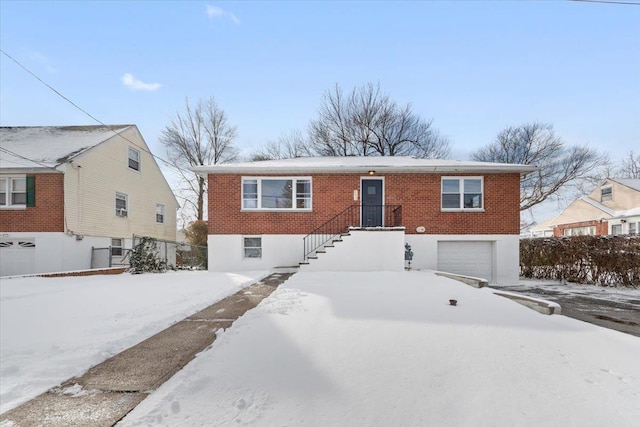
x=466, y=258
x=17, y=256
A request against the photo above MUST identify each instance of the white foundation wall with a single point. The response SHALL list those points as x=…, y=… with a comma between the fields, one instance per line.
x=226, y=252
x=505, y=257
x=53, y=252
x=363, y=250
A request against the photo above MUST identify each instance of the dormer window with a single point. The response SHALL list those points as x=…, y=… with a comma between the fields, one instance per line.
x=606, y=194
x=134, y=159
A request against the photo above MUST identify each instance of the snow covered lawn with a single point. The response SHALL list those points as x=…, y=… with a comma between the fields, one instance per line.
x=54, y=328
x=387, y=349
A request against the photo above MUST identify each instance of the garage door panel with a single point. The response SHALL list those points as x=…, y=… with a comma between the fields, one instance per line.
x=471, y=258
x=17, y=257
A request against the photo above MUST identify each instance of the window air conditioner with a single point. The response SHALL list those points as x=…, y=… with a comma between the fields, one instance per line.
x=121, y=212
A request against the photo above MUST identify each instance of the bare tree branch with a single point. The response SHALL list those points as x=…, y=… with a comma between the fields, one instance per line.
x=368, y=122
x=630, y=167
x=201, y=135
x=537, y=144
x=288, y=146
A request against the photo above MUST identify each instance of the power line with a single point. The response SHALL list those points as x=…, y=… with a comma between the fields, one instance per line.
x=627, y=3
x=84, y=111
x=26, y=158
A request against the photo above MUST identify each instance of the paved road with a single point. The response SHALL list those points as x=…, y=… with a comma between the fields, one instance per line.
x=623, y=316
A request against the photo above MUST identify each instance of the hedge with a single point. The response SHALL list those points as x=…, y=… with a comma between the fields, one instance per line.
x=595, y=260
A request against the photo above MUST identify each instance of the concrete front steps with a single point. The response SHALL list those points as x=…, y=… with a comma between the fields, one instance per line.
x=360, y=249
x=107, y=392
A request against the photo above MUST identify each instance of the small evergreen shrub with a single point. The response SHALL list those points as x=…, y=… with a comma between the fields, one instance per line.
x=145, y=259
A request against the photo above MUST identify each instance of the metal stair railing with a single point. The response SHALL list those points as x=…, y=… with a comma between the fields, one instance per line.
x=391, y=216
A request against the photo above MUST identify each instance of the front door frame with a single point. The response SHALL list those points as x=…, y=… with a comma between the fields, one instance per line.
x=372, y=178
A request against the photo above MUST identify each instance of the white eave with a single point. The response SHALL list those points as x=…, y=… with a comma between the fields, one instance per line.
x=379, y=165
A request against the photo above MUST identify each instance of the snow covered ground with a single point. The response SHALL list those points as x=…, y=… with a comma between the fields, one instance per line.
x=54, y=328
x=387, y=349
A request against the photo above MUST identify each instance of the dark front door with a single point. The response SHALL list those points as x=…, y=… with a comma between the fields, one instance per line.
x=372, y=203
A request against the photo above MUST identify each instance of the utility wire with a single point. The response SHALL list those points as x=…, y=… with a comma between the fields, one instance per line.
x=26, y=158
x=84, y=111
x=627, y=3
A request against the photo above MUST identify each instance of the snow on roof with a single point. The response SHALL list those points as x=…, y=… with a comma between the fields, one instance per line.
x=629, y=212
x=49, y=146
x=628, y=182
x=547, y=224
x=398, y=164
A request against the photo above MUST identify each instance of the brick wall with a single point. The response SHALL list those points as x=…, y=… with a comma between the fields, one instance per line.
x=602, y=227
x=419, y=195
x=46, y=215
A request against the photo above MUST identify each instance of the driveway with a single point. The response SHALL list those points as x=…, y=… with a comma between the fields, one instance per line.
x=617, y=309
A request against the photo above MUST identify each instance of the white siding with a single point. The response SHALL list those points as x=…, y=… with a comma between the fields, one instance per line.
x=505, y=250
x=53, y=252
x=279, y=250
x=93, y=179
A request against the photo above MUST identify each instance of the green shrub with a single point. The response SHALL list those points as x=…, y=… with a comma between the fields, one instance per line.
x=144, y=258
x=599, y=260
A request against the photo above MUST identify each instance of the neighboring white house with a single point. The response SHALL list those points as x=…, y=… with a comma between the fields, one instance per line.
x=611, y=208
x=66, y=190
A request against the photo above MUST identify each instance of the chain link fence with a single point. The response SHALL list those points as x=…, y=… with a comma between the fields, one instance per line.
x=176, y=255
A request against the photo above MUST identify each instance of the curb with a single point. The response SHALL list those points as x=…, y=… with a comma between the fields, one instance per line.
x=537, y=304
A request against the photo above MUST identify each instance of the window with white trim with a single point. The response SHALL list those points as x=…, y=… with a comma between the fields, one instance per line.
x=13, y=191
x=286, y=193
x=116, y=247
x=606, y=193
x=122, y=204
x=252, y=247
x=160, y=209
x=633, y=228
x=580, y=231
x=134, y=159
x=616, y=229
x=462, y=193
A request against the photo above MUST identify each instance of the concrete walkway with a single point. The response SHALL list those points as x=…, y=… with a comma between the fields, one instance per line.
x=108, y=391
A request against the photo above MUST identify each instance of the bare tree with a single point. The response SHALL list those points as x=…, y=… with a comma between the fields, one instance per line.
x=288, y=146
x=630, y=167
x=201, y=135
x=537, y=144
x=368, y=123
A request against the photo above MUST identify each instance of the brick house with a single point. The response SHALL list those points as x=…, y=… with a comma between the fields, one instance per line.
x=64, y=190
x=611, y=208
x=357, y=213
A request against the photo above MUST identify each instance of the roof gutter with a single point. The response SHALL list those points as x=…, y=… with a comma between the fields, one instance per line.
x=310, y=169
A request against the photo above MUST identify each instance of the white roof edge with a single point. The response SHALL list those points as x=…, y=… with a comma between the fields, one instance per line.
x=379, y=169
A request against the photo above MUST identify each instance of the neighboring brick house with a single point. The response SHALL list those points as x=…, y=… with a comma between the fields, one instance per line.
x=611, y=208
x=64, y=190
x=461, y=217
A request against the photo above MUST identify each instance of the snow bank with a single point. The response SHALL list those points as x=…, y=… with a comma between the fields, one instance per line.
x=387, y=349
x=54, y=328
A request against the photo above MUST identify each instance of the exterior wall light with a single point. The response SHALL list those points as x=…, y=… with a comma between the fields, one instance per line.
x=371, y=173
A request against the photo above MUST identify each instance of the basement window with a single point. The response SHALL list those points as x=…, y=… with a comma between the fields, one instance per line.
x=252, y=247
